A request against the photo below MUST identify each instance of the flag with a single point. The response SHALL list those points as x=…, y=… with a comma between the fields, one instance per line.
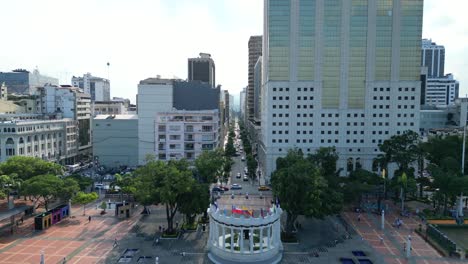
x=277, y=201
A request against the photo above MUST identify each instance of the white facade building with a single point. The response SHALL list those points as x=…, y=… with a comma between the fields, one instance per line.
x=68, y=102
x=25, y=135
x=98, y=88
x=338, y=73
x=185, y=134
x=441, y=91
x=154, y=96
x=115, y=140
x=242, y=103
x=110, y=108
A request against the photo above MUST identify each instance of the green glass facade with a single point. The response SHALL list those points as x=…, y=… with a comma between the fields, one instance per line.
x=331, y=54
x=383, y=42
x=306, y=60
x=357, y=54
x=278, y=42
x=410, y=41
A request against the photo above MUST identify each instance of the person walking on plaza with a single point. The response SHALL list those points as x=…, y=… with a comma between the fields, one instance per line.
x=89, y=219
x=115, y=243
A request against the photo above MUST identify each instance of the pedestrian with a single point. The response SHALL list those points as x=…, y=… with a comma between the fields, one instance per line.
x=359, y=218
x=89, y=219
x=160, y=228
x=22, y=219
x=381, y=240
x=64, y=260
x=115, y=242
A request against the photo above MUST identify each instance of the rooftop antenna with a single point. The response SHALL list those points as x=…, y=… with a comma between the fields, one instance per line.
x=108, y=71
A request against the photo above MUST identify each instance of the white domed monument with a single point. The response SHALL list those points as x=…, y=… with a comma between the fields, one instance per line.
x=246, y=234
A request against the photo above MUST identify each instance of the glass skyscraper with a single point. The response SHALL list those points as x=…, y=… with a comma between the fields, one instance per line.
x=342, y=73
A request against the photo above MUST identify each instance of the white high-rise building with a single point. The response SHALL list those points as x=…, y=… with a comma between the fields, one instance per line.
x=442, y=91
x=98, y=88
x=339, y=73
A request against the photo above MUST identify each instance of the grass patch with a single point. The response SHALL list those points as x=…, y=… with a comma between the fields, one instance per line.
x=170, y=235
x=288, y=238
x=190, y=227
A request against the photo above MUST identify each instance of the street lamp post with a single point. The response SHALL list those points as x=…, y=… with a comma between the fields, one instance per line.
x=460, y=205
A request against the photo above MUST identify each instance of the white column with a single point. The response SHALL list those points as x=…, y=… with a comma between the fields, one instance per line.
x=268, y=237
x=232, y=239
x=251, y=240
x=261, y=239
x=217, y=234
x=241, y=240
x=224, y=237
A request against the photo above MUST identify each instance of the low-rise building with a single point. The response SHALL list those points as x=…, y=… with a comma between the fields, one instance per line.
x=27, y=135
x=186, y=134
x=110, y=108
x=115, y=140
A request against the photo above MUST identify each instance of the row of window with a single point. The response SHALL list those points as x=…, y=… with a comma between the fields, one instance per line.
x=299, y=89
x=400, y=89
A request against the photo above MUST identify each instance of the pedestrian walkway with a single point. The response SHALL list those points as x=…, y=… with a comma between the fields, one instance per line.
x=390, y=242
x=75, y=238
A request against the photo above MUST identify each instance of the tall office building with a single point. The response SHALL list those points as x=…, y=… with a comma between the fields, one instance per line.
x=433, y=57
x=98, y=88
x=202, y=69
x=255, y=51
x=339, y=73
x=242, y=103
x=23, y=82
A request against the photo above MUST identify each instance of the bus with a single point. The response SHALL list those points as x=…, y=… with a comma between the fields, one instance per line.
x=73, y=168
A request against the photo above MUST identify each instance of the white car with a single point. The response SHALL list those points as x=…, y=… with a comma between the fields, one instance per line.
x=238, y=176
x=243, y=158
x=236, y=186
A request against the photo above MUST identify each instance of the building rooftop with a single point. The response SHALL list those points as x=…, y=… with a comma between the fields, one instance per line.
x=116, y=117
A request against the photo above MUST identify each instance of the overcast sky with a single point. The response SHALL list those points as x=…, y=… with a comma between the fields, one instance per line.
x=144, y=38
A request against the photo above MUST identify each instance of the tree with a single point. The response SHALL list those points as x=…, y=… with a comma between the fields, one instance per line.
x=83, y=182
x=125, y=183
x=208, y=165
x=440, y=148
x=326, y=159
x=164, y=183
x=401, y=149
x=227, y=166
x=45, y=187
x=299, y=186
x=69, y=189
x=103, y=206
x=360, y=182
x=28, y=167
x=230, y=150
x=7, y=185
x=175, y=184
x=84, y=199
x=251, y=166
x=194, y=202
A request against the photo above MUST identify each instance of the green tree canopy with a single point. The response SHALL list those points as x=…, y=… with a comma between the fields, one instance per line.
x=401, y=149
x=45, y=188
x=83, y=182
x=194, y=202
x=28, y=167
x=299, y=186
x=208, y=165
x=84, y=199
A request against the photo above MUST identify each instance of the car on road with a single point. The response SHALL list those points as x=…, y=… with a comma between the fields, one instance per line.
x=216, y=190
x=225, y=188
x=236, y=186
x=245, y=178
x=246, y=170
x=238, y=176
x=264, y=188
x=243, y=158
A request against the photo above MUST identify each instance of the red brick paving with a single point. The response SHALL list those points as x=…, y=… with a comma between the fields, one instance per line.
x=369, y=229
x=63, y=239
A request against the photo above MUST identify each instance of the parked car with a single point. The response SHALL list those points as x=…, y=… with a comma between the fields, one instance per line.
x=236, y=186
x=217, y=189
x=225, y=188
x=264, y=188
x=238, y=176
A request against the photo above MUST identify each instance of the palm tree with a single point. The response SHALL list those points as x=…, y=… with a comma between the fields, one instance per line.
x=403, y=182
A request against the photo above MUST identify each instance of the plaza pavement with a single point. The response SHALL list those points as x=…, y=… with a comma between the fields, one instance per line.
x=391, y=248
